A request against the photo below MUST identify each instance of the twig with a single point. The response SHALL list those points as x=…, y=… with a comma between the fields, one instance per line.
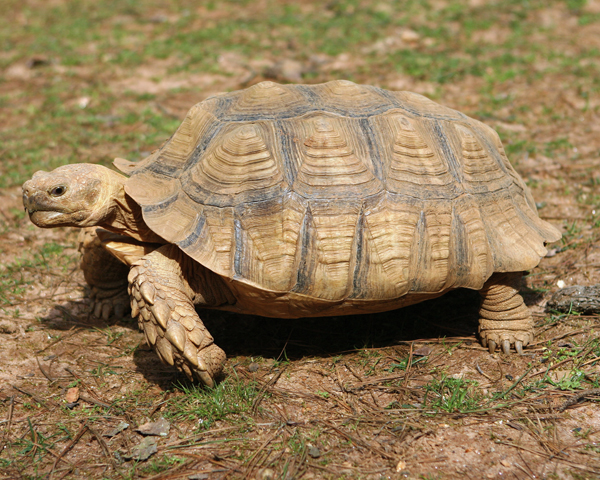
x=263, y=389
x=35, y=397
x=104, y=447
x=360, y=442
x=45, y=372
x=408, y=364
x=76, y=330
x=93, y=401
x=157, y=407
x=176, y=472
x=552, y=367
x=483, y=373
x=576, y=398
x=11, y=408
x=516, y=383
x=544, y=454
x=63, y=280
x=262, y=447
x=523, y=468
x=97, y=400
x=560, y=337
x=359, y=378
x=595, y=359
x=82, y=430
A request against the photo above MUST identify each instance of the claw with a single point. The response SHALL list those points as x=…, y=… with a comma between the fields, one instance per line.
x=205, y=378
x=106, y=309
x=119, y=310
x=491, y=346
x=506, y=346
x=519, y=347
x=98, y=310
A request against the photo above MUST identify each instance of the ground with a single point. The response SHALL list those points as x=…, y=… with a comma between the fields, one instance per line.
x=406, y=394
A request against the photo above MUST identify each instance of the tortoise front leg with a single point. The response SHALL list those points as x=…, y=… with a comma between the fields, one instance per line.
x=161, y=298
x=504, y=319
x=106, y=276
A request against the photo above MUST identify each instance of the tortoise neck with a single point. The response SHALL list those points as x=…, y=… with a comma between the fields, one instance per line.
x=126, y=216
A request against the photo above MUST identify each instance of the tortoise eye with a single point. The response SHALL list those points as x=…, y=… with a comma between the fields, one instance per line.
x=58, y=191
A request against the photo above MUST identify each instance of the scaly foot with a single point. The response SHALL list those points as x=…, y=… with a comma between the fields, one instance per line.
x=169, y=320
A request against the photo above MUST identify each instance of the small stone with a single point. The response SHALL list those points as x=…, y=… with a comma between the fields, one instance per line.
x=266, y=474
x=143, y=450
x=409, y=36
x=115, y=431
x=160, y=428
x=314, y=452
x=422, y=351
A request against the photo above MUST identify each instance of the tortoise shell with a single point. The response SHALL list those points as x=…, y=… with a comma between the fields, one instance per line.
x=339, y=191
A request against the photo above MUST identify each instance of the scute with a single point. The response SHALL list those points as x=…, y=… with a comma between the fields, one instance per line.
x=330, y=162
x=238, y=166
x=349, y=99
x=339, y=193
x=265, y=100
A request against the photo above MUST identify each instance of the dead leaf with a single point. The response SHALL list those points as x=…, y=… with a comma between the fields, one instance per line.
x=72, y=395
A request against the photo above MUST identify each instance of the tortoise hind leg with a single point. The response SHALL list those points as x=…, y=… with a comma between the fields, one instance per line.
x=161, y=298
x=504, y=319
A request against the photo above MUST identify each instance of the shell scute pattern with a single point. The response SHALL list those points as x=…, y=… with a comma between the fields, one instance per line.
x=340, y=191
x=332, y=161
x=482, y=172
x=265, y=100
x=413, y=167
x=238, y=168
x=349, y=99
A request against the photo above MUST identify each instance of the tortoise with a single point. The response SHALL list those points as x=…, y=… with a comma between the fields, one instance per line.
x=297, y=201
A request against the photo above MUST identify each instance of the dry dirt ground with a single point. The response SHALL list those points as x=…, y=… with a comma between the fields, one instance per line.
x=407, y=394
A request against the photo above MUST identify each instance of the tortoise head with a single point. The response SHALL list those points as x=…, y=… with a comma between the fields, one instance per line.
x=78, y=195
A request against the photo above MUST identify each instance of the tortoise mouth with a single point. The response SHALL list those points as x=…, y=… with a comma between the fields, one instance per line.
x=43, y=214
x=42, y=218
